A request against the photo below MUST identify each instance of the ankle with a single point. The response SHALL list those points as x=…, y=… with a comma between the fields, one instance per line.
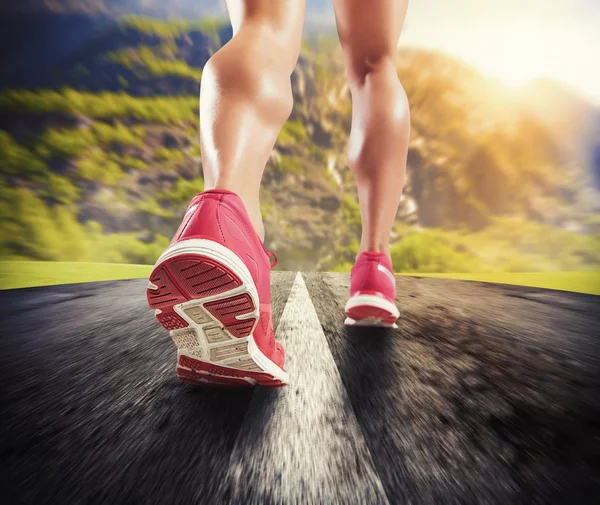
x=374, y=246
x=259, y=226
x=253, y=208
x=252, y=205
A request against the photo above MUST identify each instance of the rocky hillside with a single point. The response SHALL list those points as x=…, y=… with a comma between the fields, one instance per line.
x=100, y=162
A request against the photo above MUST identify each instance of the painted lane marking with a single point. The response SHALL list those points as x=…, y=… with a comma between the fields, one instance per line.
x=303, y=443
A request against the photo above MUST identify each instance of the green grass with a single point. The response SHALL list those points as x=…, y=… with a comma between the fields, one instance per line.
x=25, y=274
x=578, y=282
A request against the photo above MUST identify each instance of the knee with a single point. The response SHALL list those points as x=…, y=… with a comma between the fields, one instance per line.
x=378, y=67
x=373, y=78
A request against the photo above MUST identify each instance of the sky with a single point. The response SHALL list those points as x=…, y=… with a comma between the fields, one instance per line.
x=514, y=40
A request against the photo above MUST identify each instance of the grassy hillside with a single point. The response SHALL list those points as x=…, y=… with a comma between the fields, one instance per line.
x=101, y=166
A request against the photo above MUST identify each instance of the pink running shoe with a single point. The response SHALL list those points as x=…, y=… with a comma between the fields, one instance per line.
x=372, y=292
x=211, y=288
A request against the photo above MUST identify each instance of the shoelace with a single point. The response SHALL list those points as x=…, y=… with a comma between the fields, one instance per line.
x=272, y=259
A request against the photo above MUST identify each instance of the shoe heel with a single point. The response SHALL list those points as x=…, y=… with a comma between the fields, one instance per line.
x=205, y=296
x=371, y=310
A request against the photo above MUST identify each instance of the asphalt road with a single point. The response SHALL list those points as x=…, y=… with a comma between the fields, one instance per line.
x=485, y=394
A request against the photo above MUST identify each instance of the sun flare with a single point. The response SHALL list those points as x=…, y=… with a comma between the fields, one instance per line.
x=522, y=52
x=515, y=49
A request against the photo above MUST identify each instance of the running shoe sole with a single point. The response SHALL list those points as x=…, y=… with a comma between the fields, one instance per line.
x=205, y=296
x=371, y=310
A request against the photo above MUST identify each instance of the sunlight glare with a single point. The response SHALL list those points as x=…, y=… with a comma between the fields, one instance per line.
x=515, y=53
x=514, y=48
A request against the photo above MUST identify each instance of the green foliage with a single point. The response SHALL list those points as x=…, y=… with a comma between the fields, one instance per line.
x=30, y=228
x=319, y=154
x=424, y=252
x=153, y=207
x=166, y=154
x=59, y=189
x=170, y=202
x=64, y=143
x=127, y=248
x=507, y=245
x=289, y=165
x=119, y=134
x=173, y=28
x=161, y=110
x=131, y=162
x=293, y=131
x=211, y=26
x=139, y=131
x=343, y=267
x=351, y=213
x=98, y=167
x=145, y=62
x=514, y=245
x=16, y=160
x=195, y=151
x=151, y=26
x=182, y=192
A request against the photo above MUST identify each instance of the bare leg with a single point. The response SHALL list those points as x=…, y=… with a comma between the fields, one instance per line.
x=369, y=33
x=246, y=96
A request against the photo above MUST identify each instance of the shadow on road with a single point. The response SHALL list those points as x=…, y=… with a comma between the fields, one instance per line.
x=367, y=356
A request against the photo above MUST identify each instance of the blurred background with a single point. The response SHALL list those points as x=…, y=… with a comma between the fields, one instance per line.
x=99, y=145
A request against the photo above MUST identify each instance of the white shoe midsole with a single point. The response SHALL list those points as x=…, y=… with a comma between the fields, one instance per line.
x=211, y=249
x=372, y=301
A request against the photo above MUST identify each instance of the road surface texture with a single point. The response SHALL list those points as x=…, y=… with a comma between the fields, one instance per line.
x=485, y=394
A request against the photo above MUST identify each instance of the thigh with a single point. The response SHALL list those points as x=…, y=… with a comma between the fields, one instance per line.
x=286, y=16
x=278, y=23
x=368, y=30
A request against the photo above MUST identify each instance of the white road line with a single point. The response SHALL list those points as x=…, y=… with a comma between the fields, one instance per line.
x=303, y=443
